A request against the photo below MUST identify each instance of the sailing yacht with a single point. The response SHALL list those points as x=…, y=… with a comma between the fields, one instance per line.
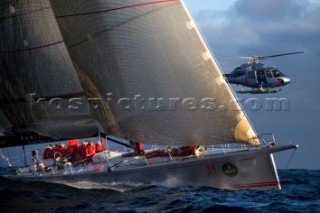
x=138, y=70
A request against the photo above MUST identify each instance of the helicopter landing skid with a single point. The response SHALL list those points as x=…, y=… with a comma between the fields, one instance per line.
x=258, y=91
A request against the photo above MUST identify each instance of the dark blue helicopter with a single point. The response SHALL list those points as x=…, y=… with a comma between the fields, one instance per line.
x=260, y=77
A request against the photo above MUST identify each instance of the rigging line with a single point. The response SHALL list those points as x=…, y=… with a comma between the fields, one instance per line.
x=117, y=8
x=294, y=151
x=32, y=48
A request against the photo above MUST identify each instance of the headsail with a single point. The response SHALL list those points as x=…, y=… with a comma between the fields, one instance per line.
x=153, y=70
x=40, y=91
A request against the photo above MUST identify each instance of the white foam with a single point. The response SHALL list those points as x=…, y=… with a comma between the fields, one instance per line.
x=116, y=186
x=171, y=182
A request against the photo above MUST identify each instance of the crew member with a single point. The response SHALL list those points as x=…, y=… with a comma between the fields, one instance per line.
x=62, y=150
x=81, y=152
x=100, y=147
x=90, y=152
x=47, y=152
x=37, y=163
x=58, y=161
x=138, y=147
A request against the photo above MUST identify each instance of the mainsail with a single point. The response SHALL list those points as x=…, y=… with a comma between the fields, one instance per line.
x=40, y=91
x=153, y=71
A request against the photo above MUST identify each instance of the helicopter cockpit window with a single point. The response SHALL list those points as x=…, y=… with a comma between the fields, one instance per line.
x=269, y=75
x=277, y=73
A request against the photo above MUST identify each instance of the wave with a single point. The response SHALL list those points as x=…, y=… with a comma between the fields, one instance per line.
x=300, y=193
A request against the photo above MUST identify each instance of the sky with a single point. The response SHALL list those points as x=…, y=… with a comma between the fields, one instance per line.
x=268, y=27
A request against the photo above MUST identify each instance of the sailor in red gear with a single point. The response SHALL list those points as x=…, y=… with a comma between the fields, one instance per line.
x=187, y=150
x=139, y=148
x=53, y=151
x=81, y=152
x=90, y=152
x=47, y=152
x=62, y=150
x=92, y=148
x=100, y=147
x=69, y=152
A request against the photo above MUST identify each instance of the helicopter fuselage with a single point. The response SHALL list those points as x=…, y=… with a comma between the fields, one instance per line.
x=257, y=75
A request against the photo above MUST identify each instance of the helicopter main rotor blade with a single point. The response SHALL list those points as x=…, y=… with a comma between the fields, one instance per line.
x=272, y=56
x=256, y=58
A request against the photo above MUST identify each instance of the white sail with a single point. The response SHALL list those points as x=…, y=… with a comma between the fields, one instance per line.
x=153, y=70
x=40, y=91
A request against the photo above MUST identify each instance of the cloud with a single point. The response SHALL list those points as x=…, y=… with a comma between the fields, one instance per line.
x=269, y=10
x=290, y=26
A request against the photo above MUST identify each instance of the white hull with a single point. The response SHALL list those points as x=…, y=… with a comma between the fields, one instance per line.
x=248, y=169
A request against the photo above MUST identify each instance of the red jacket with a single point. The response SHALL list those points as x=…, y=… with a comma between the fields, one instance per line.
x=69, y=152
x=90, y=152
x=91, y=149
x=100, y=148
x=62, y=151
x=47, y=153
x=81, y=152
x=74, y=142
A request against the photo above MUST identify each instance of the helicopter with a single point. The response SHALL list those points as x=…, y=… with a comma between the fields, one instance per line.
x=260, y=77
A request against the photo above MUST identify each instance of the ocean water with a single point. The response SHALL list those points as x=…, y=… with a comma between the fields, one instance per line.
x=300, y=193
